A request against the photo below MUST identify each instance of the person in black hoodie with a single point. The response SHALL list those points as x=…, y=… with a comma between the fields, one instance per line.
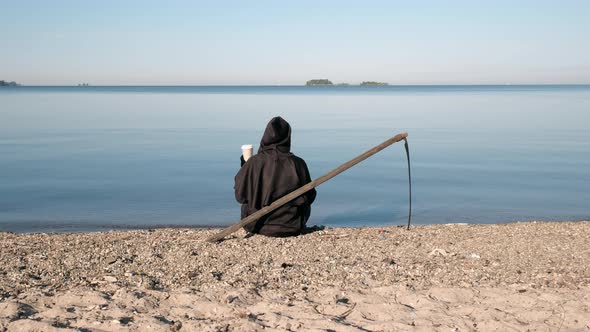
x=269, y=175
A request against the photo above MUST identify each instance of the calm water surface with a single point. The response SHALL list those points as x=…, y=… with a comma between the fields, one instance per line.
x=97, y=158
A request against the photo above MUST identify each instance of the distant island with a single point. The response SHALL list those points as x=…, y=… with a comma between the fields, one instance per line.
x=373, y=83
x=5, y=83
x=83, y=84
x=324, y=81
x=319, y=82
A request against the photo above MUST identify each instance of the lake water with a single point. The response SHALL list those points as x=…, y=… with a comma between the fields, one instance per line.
x=98, y=158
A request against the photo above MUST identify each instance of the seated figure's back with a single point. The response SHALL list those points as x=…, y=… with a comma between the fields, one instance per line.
x=269, y=175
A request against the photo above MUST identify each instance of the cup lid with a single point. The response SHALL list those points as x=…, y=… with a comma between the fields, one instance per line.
x=246, y=146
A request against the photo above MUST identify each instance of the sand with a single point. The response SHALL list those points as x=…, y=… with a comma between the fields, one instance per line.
x=517, y=276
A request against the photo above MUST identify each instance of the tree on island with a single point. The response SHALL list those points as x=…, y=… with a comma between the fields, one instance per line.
x=6, y=83
x=373, y=83
x=319, y=82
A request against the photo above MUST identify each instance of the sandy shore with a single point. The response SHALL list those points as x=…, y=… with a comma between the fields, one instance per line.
x=519, y=276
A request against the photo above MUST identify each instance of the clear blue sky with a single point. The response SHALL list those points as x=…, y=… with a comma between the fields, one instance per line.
x=288, y=42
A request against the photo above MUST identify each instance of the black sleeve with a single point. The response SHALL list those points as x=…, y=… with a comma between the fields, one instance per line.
x=305, y=179
x=240, y=184
x=312, y=193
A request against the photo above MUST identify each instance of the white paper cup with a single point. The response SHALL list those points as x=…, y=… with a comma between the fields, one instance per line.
x=247, y=151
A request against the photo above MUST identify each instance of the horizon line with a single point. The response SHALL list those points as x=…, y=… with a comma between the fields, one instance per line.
x=294, y=85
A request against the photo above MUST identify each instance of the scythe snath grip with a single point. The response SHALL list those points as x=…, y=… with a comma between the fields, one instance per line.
x=291, y=196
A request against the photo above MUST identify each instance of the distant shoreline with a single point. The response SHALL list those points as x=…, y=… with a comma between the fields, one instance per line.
x=305, y=86
x=81, y=228
x=295, y=89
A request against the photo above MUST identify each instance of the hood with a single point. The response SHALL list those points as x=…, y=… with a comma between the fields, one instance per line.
x=277, y=136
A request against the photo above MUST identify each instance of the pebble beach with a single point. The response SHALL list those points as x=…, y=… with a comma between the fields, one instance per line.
x=516, y=276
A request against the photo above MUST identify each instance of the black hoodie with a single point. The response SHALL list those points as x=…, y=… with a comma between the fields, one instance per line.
x=269, y=175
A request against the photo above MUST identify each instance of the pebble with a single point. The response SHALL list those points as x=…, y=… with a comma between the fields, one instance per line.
x=111, y=260
x=438, y=252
